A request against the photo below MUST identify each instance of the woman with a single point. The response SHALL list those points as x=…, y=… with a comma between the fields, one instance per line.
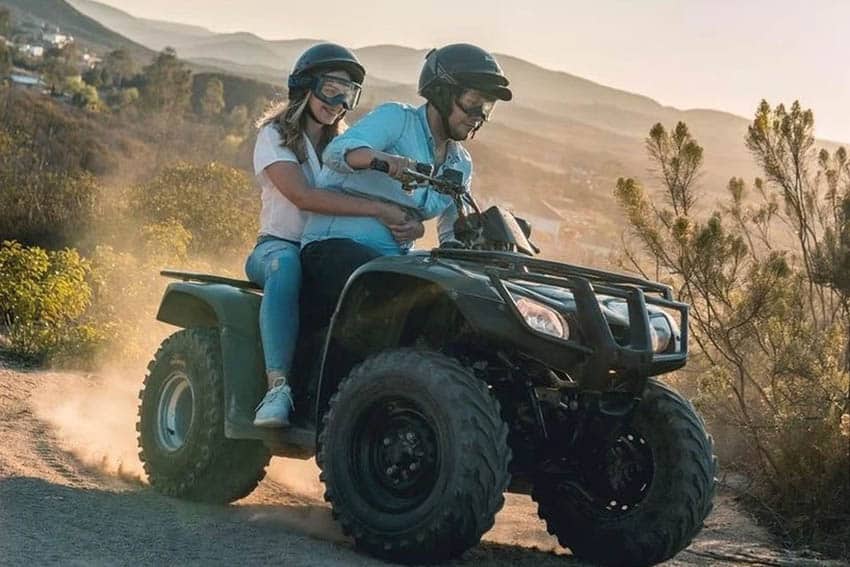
x=325, y=83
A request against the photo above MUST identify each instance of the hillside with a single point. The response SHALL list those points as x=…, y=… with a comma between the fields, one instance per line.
x=85, y=29
x=151, y=33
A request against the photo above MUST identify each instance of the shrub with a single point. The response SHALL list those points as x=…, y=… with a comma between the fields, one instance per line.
x=215, y=203
x=771, y=321
x=43, y=298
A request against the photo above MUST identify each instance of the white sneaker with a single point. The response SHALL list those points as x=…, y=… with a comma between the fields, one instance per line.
x=276, y=406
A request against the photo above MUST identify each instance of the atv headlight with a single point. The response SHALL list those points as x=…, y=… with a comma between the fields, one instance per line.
x=659, y=334
x=662, y=328
x=543, y=318
x=663, y=331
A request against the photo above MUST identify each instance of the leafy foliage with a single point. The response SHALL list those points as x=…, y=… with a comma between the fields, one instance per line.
x=215, y=203
x=211, y=103
x=5, y=22
x=5, y=61
x=44, y=296
x=40, y=205
x=167, y=84
x=771, y=320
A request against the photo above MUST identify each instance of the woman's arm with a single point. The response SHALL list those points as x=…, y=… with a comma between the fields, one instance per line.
x=288, y=178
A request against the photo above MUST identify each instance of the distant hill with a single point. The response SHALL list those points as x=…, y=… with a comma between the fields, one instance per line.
x=85, y=29
x=151, y=33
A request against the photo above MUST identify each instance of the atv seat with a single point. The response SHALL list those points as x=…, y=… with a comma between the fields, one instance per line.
x=207, y=278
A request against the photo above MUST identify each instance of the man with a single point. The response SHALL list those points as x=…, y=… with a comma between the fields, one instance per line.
x=461, y=84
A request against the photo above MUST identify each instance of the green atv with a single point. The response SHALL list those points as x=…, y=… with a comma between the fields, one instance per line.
x=444, y=379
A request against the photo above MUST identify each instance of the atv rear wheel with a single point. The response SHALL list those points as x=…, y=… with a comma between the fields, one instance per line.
x=181, y=425
x=644, y=498
x=414, y=456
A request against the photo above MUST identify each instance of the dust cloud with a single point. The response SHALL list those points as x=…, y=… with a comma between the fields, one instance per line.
x=299, y=476
x=93, y=417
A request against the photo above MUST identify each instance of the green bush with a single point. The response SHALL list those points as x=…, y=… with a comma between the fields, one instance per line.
x=215, y=203
x=43, y=298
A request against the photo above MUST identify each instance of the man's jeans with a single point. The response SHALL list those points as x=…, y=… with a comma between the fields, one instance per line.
x=327, y=266
x=275, y=265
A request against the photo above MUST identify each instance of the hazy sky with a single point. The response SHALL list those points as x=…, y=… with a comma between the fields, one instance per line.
x=722, y=54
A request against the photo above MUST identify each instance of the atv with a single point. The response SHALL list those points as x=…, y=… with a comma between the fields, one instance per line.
x=444, y=379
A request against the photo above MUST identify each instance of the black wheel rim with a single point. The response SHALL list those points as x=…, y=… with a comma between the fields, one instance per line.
x=624, y=474
x=611, y=481
x=395, y=455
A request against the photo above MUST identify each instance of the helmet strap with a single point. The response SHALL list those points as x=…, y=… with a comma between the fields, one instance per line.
x=441, y=98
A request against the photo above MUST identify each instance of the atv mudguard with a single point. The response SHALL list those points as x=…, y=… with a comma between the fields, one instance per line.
x=387, y=302
x=234, y=312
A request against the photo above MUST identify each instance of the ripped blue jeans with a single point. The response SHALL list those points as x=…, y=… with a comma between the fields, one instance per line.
x=276, y=266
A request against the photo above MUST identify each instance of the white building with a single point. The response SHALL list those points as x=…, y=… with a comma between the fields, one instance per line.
x=32, y=50
x=91, y=60
x=57, y=39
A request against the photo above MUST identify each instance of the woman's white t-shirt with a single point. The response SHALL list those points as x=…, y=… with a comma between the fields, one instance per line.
x=279, y=216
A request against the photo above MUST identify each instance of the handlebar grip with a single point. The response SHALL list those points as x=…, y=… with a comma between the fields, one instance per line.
x=424, y=169
x=380, y=165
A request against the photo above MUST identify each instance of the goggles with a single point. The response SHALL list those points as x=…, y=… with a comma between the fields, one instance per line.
x=336, y=91
x=475, y=106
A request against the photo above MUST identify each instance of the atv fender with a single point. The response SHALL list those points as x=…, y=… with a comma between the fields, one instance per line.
x=234, y=312
x=389, y=302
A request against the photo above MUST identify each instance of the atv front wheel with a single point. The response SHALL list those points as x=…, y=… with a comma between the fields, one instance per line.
x=181, y=425
x=642, y=499
x=414, y=456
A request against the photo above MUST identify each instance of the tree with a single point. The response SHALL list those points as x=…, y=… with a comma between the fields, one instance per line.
x=5, y=61
x=5, y=22
x=167, y=84
x=118, y=67
x=59, y=64
x=768, y=319
x=84, y=95
x=94, y=77
x=212, y=103
x=123, y=98
x=237, y=120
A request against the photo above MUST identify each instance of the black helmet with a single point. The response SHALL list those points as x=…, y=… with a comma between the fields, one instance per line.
x=465, y=66
x=323, y=57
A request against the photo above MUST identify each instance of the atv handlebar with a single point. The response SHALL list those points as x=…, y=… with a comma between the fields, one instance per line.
x=423, y=174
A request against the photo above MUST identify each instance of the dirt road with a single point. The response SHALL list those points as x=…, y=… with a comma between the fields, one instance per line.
x=71, y=493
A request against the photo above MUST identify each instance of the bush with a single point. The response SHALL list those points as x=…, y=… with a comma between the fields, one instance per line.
x=215, y=203
x=44, y=296
x=770, y=311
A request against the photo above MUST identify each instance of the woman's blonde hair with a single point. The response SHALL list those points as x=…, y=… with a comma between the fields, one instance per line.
x=290, y=118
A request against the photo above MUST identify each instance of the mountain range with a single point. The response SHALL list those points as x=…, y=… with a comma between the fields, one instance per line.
x=560, y=144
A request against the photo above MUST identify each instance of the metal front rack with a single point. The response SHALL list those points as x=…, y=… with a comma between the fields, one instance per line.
x=604, y=354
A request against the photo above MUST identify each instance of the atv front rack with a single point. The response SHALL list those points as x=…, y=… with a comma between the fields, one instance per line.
x=604, y=355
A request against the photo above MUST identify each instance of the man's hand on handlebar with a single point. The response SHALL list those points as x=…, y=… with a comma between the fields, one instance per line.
x=391, y=164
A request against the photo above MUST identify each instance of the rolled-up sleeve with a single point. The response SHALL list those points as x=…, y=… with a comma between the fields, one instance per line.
x=379, y=130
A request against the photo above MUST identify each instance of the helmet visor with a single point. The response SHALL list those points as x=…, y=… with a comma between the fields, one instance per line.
x=336, y=91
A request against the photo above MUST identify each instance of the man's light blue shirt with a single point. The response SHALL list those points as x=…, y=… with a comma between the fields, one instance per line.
x=394, y=128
